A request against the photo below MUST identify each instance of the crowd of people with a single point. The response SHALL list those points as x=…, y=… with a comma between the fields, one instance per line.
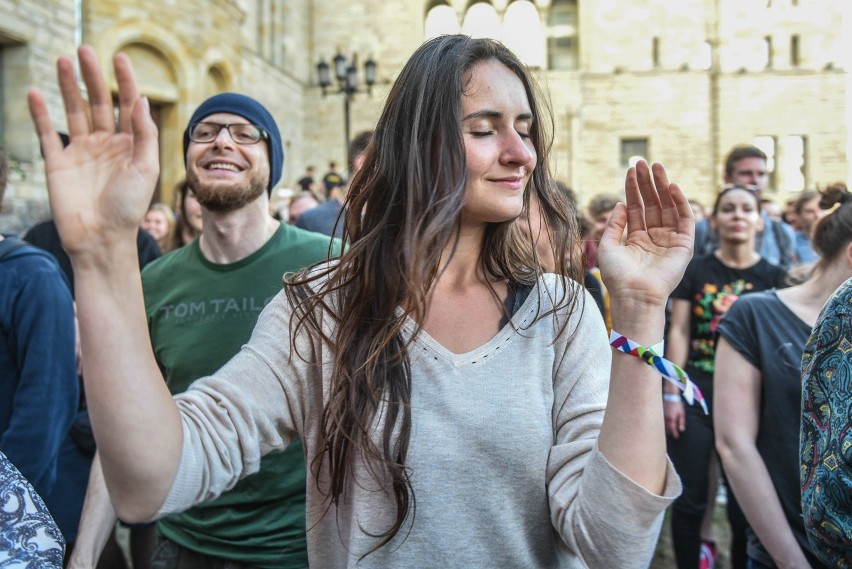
x=454, y=369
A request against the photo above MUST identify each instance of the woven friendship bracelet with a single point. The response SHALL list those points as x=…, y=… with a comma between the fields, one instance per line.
x=667, y=369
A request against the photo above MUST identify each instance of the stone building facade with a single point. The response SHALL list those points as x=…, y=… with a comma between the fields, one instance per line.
x=676, y=81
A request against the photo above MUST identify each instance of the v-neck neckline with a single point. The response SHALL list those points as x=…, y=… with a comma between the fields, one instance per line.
x=479, y=354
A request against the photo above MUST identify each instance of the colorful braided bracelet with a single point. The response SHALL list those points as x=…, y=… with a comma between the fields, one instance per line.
x=667, y=369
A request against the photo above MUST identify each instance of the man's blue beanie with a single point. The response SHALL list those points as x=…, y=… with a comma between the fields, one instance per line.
x=253, y=112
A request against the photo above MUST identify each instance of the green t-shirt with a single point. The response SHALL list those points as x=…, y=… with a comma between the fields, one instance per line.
x=200, y=314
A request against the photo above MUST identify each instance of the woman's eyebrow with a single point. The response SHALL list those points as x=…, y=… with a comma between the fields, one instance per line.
x=492, y=114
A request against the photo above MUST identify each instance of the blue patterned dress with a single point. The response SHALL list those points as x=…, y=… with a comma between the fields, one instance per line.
x=29, y=538
x=826, y=441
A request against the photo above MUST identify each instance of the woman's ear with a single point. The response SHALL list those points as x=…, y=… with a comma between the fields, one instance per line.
x=849, y=254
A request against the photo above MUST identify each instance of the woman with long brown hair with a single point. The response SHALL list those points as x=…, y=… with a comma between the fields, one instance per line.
x=457, y=405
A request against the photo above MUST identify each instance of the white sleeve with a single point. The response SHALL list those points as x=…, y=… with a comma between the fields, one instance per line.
x=603, y=517
x=256, y=403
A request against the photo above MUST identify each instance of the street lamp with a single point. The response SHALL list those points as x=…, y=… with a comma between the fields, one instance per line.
x=346, y=74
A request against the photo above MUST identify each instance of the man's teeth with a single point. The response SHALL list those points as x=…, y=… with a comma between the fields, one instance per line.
x=220, y=166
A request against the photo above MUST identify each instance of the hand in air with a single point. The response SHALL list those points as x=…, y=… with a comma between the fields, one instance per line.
x=101, y=184
x=645, y=264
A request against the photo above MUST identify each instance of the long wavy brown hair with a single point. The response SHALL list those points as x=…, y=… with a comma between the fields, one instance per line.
x=401, y=213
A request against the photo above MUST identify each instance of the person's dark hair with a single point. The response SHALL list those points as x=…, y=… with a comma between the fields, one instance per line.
x=181, y=223
x=833, y=232
x=737, y=154
x=602, y=203
x=730, y=188
x=402, y=213
x=357, y=147
x=803, y=199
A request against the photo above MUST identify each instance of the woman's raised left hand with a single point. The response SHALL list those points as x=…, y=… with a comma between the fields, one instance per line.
x=648, y=242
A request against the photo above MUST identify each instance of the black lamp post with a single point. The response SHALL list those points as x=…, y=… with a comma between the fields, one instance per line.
x=346, y=74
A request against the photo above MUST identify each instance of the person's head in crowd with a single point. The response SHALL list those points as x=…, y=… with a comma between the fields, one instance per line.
x=233, y=152
x=300, y=203
x=159, y=222
x=832, y=233
x=600, y=207
x=188, y=222
x=736, y=214
x=697, y=210
x=807, y=211
x=357, y=149
x=772, y=209
x=790, y=217
x=746, y=166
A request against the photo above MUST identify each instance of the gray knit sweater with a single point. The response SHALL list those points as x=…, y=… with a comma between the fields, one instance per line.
x=503, y=453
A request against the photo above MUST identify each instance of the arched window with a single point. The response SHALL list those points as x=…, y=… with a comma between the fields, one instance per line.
x=481, y=21
x=522, y=32
x=562, y=35
x=441, y=20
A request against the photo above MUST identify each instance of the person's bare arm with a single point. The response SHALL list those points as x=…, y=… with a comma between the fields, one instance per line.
x=99, y=188
x=96, y=522
x=677, y=350
x=736, y=415
x=640, y=270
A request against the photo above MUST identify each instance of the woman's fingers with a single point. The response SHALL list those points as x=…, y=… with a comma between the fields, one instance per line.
x=76, y=112
x=686, y=218
x=633, y=195
x=100, y=99
x=670, y=214
x=145, y=142
x=49, y=140
x=650, y=199
x=128, y=92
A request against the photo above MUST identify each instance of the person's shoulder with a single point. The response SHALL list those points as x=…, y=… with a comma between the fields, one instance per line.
x=35, y=270
x=755, y=302
x=147, y=248
x=702, y=261
x=840, y=301
x=44, y=231
x=167, y=264
x=776, y=272
x=32, y=257
x=292, y=238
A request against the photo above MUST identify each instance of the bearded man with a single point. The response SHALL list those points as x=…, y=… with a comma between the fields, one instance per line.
x=202, y=302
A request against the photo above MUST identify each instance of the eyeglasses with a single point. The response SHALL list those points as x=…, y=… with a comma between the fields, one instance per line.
x=241, y=133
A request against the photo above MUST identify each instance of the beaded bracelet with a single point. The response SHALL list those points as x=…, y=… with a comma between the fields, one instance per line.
x=671, y=372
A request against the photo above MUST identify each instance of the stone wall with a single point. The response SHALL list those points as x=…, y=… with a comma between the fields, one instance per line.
x=693, y=77
x=32, y=35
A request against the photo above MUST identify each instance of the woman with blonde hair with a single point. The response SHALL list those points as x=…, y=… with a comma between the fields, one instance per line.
x=159, y=222
x=188, y=222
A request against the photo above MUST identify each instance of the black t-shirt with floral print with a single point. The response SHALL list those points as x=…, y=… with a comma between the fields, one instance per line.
x=711, y=287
